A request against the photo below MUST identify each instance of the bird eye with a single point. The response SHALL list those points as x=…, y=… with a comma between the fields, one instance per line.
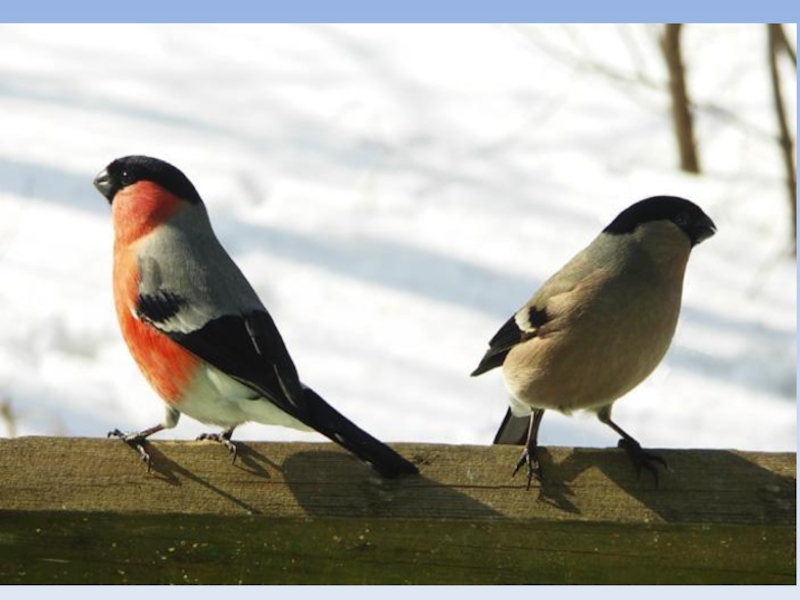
x=127, y=177
x=682, y=220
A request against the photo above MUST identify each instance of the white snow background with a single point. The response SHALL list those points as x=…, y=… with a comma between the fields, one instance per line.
x=394, y=193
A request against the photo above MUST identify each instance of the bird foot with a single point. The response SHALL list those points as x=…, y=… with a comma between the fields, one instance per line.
x=530, y=457
x=223, y=438
x=642, y=459
x=134, y=440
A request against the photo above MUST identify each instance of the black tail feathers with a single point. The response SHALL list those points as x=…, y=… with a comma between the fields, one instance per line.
x=513, y=430
x=329, y=422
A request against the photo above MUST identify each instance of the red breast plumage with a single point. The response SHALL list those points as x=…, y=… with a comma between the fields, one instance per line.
x=137, y=212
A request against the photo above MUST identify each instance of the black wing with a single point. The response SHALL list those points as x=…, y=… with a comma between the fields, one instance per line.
x=250, y=349
x=159, y=306
x=509, y=335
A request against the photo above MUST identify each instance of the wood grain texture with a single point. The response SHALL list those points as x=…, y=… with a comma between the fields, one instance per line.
x=86, y=511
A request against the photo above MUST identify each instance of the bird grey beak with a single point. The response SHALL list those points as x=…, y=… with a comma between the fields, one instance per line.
x=703, y=229
x=104, y=185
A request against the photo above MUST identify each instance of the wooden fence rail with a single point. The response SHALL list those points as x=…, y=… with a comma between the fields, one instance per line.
x=77, y=510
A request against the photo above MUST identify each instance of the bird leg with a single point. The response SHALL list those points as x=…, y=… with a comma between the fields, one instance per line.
x=223, y=438
x=530, y=456
x=135, y=440
x=638, y=456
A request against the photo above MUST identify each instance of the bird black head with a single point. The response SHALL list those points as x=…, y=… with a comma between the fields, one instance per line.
x=689, y=217
x=128, y=170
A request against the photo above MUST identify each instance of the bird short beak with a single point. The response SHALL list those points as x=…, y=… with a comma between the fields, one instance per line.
x=103, y=184
x=703, y=229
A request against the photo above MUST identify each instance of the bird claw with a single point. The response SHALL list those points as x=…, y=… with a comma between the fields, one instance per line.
x=642, y=459
x=530, y=457
x=223, y=439
x=134, y=440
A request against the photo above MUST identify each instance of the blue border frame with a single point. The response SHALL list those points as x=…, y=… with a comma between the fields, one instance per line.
x=409, y=11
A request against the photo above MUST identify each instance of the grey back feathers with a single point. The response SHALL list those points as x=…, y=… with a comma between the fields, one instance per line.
x=186, y=259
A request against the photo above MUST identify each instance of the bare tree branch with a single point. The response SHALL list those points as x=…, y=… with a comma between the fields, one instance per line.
x=786, y=44
x=785, y=139
x=681, y=111
x=585, y=63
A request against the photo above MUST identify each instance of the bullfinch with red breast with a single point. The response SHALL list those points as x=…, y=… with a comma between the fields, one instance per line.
x=195, y=326
x=599, y=326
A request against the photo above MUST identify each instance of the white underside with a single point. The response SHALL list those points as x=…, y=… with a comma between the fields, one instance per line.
x=216, y=399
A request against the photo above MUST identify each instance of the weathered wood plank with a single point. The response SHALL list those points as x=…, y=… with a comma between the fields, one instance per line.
x=85, y=510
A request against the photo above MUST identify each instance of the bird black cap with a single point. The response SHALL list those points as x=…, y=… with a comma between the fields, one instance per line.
x=689, y=217
x=128, y=170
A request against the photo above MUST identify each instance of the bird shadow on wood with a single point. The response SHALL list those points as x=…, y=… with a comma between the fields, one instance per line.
x=170, y=472
x=696, y=486
x=704, y=486
x=254, y=462
x=554, y=488
x=329, y=484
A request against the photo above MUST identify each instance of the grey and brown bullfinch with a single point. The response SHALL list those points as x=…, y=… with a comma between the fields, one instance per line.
x=195, y=326
x=599, y=326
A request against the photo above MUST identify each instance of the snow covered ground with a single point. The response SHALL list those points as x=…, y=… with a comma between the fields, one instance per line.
x=394, y=193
